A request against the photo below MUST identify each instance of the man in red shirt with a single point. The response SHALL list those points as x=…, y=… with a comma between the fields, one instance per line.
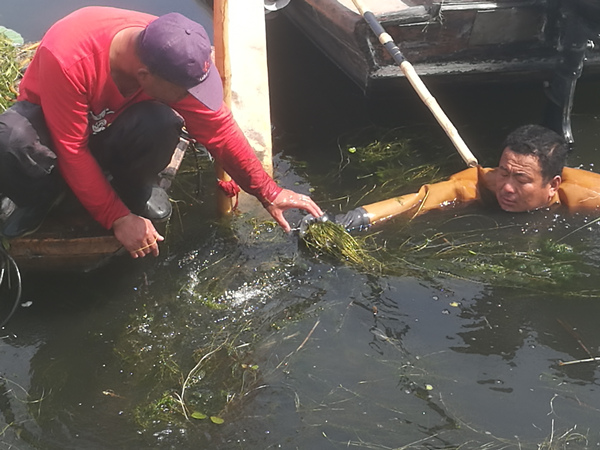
x=109, y=90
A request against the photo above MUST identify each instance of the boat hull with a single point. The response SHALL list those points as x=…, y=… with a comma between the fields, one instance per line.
x=68, y=240
x=460, y=39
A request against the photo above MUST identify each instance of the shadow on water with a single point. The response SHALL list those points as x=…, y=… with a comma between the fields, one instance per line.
x=457, y=346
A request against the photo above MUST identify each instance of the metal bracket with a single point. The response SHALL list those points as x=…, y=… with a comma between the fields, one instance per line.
x=169, y=172
x=574, y=41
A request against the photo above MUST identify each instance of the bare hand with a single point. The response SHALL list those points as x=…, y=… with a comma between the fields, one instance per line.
x=287, y=200
x=137, y=235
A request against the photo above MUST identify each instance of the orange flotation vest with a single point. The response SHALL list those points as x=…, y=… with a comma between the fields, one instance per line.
x=579, y=190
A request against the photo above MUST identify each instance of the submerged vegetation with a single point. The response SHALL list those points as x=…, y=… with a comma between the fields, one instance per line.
x=388, y=163
x=191, y=354
x=541, y=265
x=512, y=260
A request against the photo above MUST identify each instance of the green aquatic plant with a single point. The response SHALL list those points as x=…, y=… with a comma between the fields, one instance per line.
x=164, y=409
x=540, y=265
x=9, y=72
x=217, y=378
x=332, y=239
x=391, y=162
x=190, y=354
x=477, y=255
x=14, y=56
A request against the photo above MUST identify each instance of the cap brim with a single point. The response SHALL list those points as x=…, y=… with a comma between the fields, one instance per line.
x=210, y=91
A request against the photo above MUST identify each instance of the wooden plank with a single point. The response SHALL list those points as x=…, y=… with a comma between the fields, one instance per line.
x=31, y=246
x=51, y=254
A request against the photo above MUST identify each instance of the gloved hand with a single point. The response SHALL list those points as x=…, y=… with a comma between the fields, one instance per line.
x=358, y=218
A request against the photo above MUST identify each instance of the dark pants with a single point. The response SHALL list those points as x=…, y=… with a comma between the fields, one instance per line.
x=133, y=150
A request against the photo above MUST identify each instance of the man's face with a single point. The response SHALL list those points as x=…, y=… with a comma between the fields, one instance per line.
x=161, y=89
x=519, y=183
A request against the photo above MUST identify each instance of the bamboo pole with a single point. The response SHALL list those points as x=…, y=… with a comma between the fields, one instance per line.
x=386, y=40
x=221, y=42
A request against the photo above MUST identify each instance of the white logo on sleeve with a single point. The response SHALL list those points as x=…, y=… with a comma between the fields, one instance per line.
x=98, y=121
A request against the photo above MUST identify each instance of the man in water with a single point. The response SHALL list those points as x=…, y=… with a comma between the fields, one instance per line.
x=531, y=175
x=104, y=101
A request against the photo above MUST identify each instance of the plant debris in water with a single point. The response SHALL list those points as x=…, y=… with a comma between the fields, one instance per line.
x=539, y=265
x=536, y=265
x=391, y=163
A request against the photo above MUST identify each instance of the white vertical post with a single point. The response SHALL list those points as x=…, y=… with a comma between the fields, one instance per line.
x=249, y=75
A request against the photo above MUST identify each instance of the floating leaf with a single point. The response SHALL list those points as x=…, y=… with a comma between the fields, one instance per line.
x=216, y=420
x=12, y=35
x=254, y=367
x=429, y=387
x=455, y=304
x=198, y=415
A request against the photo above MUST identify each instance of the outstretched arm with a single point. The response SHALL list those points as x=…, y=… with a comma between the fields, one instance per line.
x=223, y=138
x=462, y=187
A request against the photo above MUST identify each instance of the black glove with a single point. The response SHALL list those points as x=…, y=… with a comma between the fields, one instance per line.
x=358, y=218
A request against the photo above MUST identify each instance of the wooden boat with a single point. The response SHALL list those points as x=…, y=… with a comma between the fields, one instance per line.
x=452, y=39
x=70, y=240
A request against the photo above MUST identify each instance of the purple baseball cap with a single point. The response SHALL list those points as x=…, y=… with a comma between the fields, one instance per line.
x=178, y=50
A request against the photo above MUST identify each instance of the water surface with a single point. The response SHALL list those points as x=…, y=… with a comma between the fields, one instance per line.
x=447, y=350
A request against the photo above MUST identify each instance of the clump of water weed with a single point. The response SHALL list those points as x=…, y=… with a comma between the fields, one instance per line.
x=333, y=240
x=164, y=409
x=189, y=355
x=391, y=163
x=540, y=265
x=221, y=374
x=512, y=260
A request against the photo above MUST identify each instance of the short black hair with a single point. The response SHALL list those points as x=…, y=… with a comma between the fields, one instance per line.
x=549, y=147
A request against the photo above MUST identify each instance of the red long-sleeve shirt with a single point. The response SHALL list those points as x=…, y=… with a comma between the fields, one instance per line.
x=70, y=78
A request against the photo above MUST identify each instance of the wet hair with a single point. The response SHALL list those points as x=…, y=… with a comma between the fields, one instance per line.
x=547, y=146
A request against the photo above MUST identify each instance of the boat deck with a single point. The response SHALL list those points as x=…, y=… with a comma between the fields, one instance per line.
x=383, y=6
x=70, y=240
x=67, y=240
x=457, y=38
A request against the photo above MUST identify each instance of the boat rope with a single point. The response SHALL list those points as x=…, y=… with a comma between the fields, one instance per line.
x=10, y=283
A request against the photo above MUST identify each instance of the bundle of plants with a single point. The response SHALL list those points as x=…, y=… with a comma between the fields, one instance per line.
x=331, y=239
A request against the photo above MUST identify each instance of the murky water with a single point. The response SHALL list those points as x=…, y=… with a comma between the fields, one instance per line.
x=241, y=322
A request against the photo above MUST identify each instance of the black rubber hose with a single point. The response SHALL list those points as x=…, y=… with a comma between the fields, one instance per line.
x=7, y=264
